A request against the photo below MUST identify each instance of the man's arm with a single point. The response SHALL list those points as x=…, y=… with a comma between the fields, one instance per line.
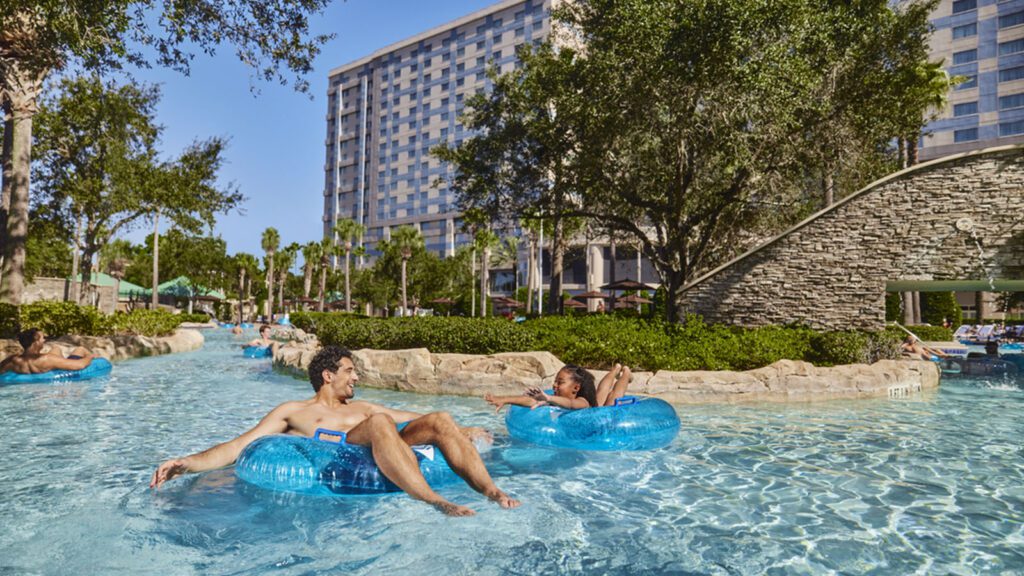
x=49, y=362
x=399, y=416
x=225, y=453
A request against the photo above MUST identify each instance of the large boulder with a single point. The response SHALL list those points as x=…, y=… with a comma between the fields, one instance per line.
x=121, y=347
x=418, y=370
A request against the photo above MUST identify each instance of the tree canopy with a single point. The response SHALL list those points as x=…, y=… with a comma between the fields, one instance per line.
x=694, y=128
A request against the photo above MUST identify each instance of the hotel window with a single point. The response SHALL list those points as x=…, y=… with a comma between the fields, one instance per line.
x=460, y=52
x=1011, y=74
x=426, y=77
x=497, y=54
x=520, y=32
x=964, y=5
x=969, y=82
x=460, y=67
x=1011, y=128
x=480, y=61
x=480, y=45
x=446, y=57
x=965, y=56
x=1011, y=101
x=1011, y=47
x=1014, y=19
x=426, y=62
x=965, y=31
x=965, y=109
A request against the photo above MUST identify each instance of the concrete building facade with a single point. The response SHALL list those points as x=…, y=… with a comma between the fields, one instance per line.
x=983, y=42
x=387, y=110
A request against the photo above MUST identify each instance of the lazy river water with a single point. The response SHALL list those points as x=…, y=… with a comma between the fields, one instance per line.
x=931, y=484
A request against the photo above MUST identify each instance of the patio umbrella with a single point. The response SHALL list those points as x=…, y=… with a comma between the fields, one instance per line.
x=634, y=299
x=627, y=284
x=592, y=295
x=570, y=303
x=506, y=301
x=447, y=301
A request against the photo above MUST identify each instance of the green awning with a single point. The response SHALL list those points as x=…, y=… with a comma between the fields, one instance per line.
x=954, y=286
x=125, y=288
x=181, y=287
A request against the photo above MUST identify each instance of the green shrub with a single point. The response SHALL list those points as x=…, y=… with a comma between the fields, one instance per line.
x=145, y=322
x=939, y=306
x=8, y=320
x=933, y=333
x=198, y=318
x=61, y=318
x=598, y=341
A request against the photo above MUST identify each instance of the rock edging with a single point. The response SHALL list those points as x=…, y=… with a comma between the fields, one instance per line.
x=121, y=347
x=418, y=370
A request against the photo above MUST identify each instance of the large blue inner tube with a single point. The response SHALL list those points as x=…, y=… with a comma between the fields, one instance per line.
x=634, y=424
x=98, y=367
x=307, y=466
x=257, y=352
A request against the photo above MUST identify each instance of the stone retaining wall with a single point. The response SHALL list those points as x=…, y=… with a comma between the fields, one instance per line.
x=115, y=348
x=420, y=371
x=830, y=271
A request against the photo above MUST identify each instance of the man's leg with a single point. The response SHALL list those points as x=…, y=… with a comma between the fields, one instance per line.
x=398, y=463
x=439, y=429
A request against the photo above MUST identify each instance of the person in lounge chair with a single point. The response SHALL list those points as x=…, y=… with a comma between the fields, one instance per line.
x=913, y=348
x=333, y=376
x=33, y=360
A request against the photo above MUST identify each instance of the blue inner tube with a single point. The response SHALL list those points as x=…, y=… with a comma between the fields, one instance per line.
x=632, y=424
x=310, y=466
x=98, y=367
x=257, y=352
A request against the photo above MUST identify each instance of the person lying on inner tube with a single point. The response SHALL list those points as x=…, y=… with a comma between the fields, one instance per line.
x=913, y=348
x=333, y=376
x=573, y=390
x=33, y=360
x=263, y=341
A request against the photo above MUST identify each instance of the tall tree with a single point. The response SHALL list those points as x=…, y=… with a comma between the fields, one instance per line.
x=270, y=242
x=285, y=260
x=683, y=125
x=38, y=37
x=311, y=253
x=346, y=231
x=97, y=165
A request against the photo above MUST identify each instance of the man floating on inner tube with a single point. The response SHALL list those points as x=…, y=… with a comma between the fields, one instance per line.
x=263, y=341
x=333, y=376
x=33, y=360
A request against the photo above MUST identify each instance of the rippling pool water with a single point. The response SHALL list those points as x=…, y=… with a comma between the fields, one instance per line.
x=933, y=484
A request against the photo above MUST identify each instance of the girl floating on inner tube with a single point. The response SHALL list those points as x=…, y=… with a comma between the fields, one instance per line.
x=573, y=390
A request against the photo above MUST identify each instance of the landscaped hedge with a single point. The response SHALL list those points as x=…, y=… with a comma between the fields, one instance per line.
x=933, y=333
x=598, y=341
x=61, y=318
x=197, y=318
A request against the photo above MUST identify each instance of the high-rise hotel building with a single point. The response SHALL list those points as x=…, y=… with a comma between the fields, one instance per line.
x=983, y=41
x=387, y=110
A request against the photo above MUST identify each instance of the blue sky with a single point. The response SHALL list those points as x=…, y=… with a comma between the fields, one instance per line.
x=276, y=151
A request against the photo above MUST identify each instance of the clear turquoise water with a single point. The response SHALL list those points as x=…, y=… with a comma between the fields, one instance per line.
x=933, y=484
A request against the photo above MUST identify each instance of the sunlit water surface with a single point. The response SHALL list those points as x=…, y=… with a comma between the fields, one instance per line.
x=933, y=484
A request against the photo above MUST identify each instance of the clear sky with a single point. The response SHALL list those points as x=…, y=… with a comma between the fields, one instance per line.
x=276, y=152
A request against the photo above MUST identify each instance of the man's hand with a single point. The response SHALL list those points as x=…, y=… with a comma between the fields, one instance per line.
x=476, y=434
x=168, y=470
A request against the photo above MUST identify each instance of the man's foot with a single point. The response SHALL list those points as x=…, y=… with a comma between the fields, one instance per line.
x=453, y=509
x=503, y=500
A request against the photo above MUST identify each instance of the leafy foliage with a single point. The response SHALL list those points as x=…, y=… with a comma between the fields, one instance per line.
x=62, y=318
x=600, y=340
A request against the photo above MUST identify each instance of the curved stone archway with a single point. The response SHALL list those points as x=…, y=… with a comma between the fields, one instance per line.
x=830, y=271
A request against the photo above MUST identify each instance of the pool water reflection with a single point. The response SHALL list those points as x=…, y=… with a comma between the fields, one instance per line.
x=929, y=484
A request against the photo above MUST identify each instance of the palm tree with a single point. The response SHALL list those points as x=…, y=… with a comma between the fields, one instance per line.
x=506, y=251
x=485, y=240
x=325, y=250
x=406, y=239
x=311, y=256
x=286, y=258
x=345, y=230
x=271, y=240
x=247, y=270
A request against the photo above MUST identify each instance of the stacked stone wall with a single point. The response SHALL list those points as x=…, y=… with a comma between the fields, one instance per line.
x=830, y=271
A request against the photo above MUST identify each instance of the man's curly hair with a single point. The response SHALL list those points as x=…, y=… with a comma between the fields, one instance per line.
x=326, y=359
